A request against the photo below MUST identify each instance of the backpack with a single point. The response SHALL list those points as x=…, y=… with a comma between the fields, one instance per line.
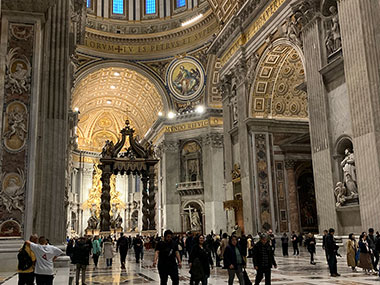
x=24, y=259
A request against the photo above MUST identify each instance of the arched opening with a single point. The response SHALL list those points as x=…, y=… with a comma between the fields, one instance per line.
x=191, y=162
x=306, y=199
x=342, y=144
x=193, y=217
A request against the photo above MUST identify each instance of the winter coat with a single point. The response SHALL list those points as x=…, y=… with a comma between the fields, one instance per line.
x=108, y=249
x=258, y=253
x=310, y=244
x=229, y=257
x=205, y=260
x=81, y=252
x=352, y=247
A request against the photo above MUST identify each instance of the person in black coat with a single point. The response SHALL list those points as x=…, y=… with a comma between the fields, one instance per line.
x=285, y=244
x=200, y=261
x=325, y=233
x=332, y=251
x=122, y=246
x=310, y=244
x=81, y=257
x=138, y=247
x=233, y=261
x=263, y=260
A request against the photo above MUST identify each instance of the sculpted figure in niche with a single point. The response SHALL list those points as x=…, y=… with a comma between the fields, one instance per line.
x=349, y=172
x=195, y=221
x=93, y=221
x=12, y=195
x=17, y=126
x=293, y=32
x=333, y=40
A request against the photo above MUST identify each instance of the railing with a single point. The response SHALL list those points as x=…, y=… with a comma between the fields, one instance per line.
x=190, y=188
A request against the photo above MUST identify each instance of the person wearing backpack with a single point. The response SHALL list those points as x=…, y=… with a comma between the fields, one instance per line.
x=26, y=261
x=81, y=253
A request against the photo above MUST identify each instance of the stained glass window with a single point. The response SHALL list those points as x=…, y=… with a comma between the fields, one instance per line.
x=88, y=3
x=181, y=3
x=150, y=6
x=118, y=7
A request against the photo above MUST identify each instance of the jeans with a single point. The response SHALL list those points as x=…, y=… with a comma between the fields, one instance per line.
x=44, y=279
x=296, y=251
x=26, y=278
x=80, y=268
x=96, y=259
x=238, y=272
x=123, y=256
x=260, y=274
x=109, y=261
x=166, y=272
x=332, y=264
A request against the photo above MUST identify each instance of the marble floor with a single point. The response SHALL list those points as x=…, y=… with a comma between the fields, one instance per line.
x=291, y=270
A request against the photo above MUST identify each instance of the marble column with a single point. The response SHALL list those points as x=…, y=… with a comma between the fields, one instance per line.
x=360, y=31
x=293, y=199
x=53, y=135
x=313, y=46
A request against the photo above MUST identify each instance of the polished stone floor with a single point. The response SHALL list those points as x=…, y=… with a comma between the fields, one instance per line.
x=291, y=270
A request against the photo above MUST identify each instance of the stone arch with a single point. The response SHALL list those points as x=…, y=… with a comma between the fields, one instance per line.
x=278, y=87
x=342, y=143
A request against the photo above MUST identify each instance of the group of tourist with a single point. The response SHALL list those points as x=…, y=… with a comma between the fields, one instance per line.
x=37, y=256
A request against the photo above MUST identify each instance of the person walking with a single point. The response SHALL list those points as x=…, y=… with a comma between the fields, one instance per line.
x=352, y=248
x=233, y=261
x=138, y=247
x=217, y=252
x=167, y=259
x=96, y=251
x=81, y=256
x=296, y=251
x=122, y=247
x=272, y=240
x=200, y=261
x=45, y=256
x=108, y=251
x=372, y=245
x=26, y=266
x=223, y=244
x=243, y=245
x=365, y=254
x=263, y=259
x=325, y=233
x=332, y=251
x=310, y=244
x=250, y=244
x=285, y=244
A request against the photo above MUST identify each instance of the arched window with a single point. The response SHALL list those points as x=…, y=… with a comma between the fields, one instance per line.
x=180, y=3
x=118, y=7
x=150, y=7
x=88, y=3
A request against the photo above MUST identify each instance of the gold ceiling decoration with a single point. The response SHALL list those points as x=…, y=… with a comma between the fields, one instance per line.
x=107, y=98
x=277, y=91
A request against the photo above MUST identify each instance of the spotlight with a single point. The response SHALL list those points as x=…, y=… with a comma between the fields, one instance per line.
x=196, y=18
x=76, y=109
x=160, y=114
x=113, y=87
x=109, y=102
x=200, y=109
x=171, y=115
x=116, y=74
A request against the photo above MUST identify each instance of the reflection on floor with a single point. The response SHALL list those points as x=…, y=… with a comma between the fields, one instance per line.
x=291, y=270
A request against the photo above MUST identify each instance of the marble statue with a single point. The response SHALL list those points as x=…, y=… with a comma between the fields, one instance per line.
x=349, y=172
x=293, y=32
x=195, y=221
x=93, y=221
x=340, y=194
x=333, y=39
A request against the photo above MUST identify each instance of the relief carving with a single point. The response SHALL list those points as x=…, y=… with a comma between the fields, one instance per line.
x=12, y=191
x=333, y=38
x=18, y=72
x=15, y=131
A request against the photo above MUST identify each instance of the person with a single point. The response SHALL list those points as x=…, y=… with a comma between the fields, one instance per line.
x=137, y=247
x=223, y=244
x=69, y=249
x=352, y=248
x=45, y=257
x=285, y=244
x=96, y=250
x=189, y=243
x=250, y=244
x=81, y=256
x=310, y=244
x=167, y=259
x=332, y=251
x=300, y=239
x=365, y=254
x=296, y=251
x=272, y=240
x=122, y=247
x=372, y=245
x=216, y=246
x=233, y=261
x=108, y=251
x=243, y=245
x=200, y=261
x=325, y=233
x=26, y=276
x=263, y=259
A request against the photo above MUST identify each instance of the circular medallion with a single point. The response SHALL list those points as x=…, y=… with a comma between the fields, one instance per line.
x=185, y=78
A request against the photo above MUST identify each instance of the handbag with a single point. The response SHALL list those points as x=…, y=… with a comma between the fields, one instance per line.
x=247, y=281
